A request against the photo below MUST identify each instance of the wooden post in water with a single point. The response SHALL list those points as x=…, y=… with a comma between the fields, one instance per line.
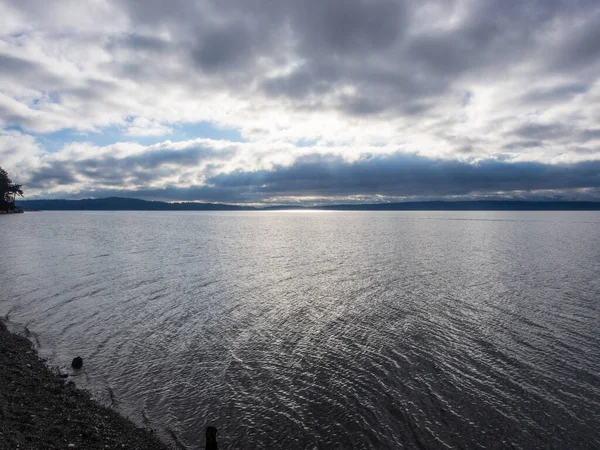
x=211, y=438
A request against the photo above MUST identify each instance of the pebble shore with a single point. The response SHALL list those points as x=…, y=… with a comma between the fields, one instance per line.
x=41, y=410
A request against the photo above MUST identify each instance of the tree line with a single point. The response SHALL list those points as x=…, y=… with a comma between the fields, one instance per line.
x=8, y=192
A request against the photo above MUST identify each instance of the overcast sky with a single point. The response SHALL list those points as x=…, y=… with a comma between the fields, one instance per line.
x=310, y=101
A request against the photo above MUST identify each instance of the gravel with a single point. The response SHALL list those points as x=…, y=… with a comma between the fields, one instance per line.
x=41, y=410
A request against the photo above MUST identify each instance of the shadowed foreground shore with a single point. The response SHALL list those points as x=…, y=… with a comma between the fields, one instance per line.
x=38, y=410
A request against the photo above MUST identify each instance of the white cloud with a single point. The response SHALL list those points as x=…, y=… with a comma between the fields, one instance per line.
x=19, y=154
x=142, y=126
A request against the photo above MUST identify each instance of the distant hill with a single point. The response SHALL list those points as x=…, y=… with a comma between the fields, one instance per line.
x=123, y=204
x=477, y=205
x=133, y=204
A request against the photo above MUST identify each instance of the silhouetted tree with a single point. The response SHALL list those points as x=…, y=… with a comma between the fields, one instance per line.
x=8, y=191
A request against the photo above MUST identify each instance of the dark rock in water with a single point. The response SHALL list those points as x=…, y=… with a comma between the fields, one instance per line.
x=211, y=438
x=77, y=362
x=64, y=375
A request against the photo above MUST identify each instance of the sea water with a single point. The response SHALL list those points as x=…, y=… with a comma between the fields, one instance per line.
x=301, y=330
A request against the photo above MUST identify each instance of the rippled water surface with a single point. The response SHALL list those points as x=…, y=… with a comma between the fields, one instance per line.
x=322, y=329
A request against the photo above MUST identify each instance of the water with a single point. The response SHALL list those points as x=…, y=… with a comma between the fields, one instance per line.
x=322, y=329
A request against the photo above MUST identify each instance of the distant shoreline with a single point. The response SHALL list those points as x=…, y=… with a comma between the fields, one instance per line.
x=131, y=204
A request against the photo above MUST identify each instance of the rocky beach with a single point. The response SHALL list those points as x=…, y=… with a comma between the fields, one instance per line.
x=41, y=410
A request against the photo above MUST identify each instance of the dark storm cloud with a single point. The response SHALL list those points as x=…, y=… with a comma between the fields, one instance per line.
x=142, y=168
x=160, y=13
x=298, y=84
x=92, y=90
x=523, y=144
x=542, y=131
x=536, y=133
x=51, y=176
x=361, y=105
x=386, y=49
x=26, y=70
x=560, y=93
x=407, y=175
x=139, y=42
x=377, y=46
x=224, y=48
x=581, y=47
x=340, y=27
x=366, y=46
x=395, y=175
x=589, y=135
x=15, y=66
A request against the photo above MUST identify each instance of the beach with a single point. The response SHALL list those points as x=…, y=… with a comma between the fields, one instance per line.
x=41, y=410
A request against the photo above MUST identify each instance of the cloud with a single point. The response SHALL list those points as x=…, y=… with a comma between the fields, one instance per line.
x=461, y=81
x=553, y=94
x=224, y=48
x=141, y=126
x=19, y=154
x=123, y=165
x=541, y=131
x=402, y=175
x=207, y=170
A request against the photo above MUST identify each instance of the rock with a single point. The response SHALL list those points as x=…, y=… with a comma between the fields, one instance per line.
x=77, y=362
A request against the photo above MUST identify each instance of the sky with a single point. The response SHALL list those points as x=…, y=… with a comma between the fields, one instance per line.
x=301, y=102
